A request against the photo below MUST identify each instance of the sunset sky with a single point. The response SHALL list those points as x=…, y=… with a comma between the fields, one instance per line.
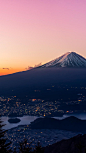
x=37, y=31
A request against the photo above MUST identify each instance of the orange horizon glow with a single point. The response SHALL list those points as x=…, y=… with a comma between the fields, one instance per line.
x=10, y=71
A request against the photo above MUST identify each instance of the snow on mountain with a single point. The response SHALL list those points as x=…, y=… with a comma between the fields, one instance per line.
x=70, y=59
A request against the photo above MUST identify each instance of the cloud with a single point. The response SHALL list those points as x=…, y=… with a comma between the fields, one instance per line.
x=31, y=67
x=38, y=65
x=5, y=68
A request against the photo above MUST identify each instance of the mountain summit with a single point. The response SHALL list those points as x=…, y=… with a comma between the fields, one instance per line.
x=70, y=59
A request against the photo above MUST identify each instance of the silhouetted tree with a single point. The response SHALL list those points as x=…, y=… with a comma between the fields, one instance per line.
x=80, y=147
x=38, y=148
x=4, y=146
x=14, y=151
x=24, y=147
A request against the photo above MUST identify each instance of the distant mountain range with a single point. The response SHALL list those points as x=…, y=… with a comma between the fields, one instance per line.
x=70, y=59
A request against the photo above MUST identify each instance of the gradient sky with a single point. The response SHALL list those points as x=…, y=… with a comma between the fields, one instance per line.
x=37, y=31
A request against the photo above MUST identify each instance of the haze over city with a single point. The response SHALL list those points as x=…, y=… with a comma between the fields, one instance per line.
x=33, y=32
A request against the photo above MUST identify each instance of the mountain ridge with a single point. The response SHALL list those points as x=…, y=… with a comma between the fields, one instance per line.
x=69, y=59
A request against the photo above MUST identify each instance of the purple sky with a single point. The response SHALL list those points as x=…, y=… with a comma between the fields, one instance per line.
x=37, y=31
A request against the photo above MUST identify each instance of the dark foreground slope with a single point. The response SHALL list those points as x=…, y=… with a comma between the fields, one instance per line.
x=43, y=78
x=76, y=144
x=70, y=124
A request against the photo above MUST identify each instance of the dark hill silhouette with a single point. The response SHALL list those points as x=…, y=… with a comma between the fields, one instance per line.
x=14, y=120
x=40, y=77
x=70, y=124
x=76, y=144
x=24, y=83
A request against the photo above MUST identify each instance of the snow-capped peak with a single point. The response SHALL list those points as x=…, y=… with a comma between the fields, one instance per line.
x=70, y=59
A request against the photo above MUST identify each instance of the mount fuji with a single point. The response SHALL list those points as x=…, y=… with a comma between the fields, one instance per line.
x=68, y=70
x=70, y=59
